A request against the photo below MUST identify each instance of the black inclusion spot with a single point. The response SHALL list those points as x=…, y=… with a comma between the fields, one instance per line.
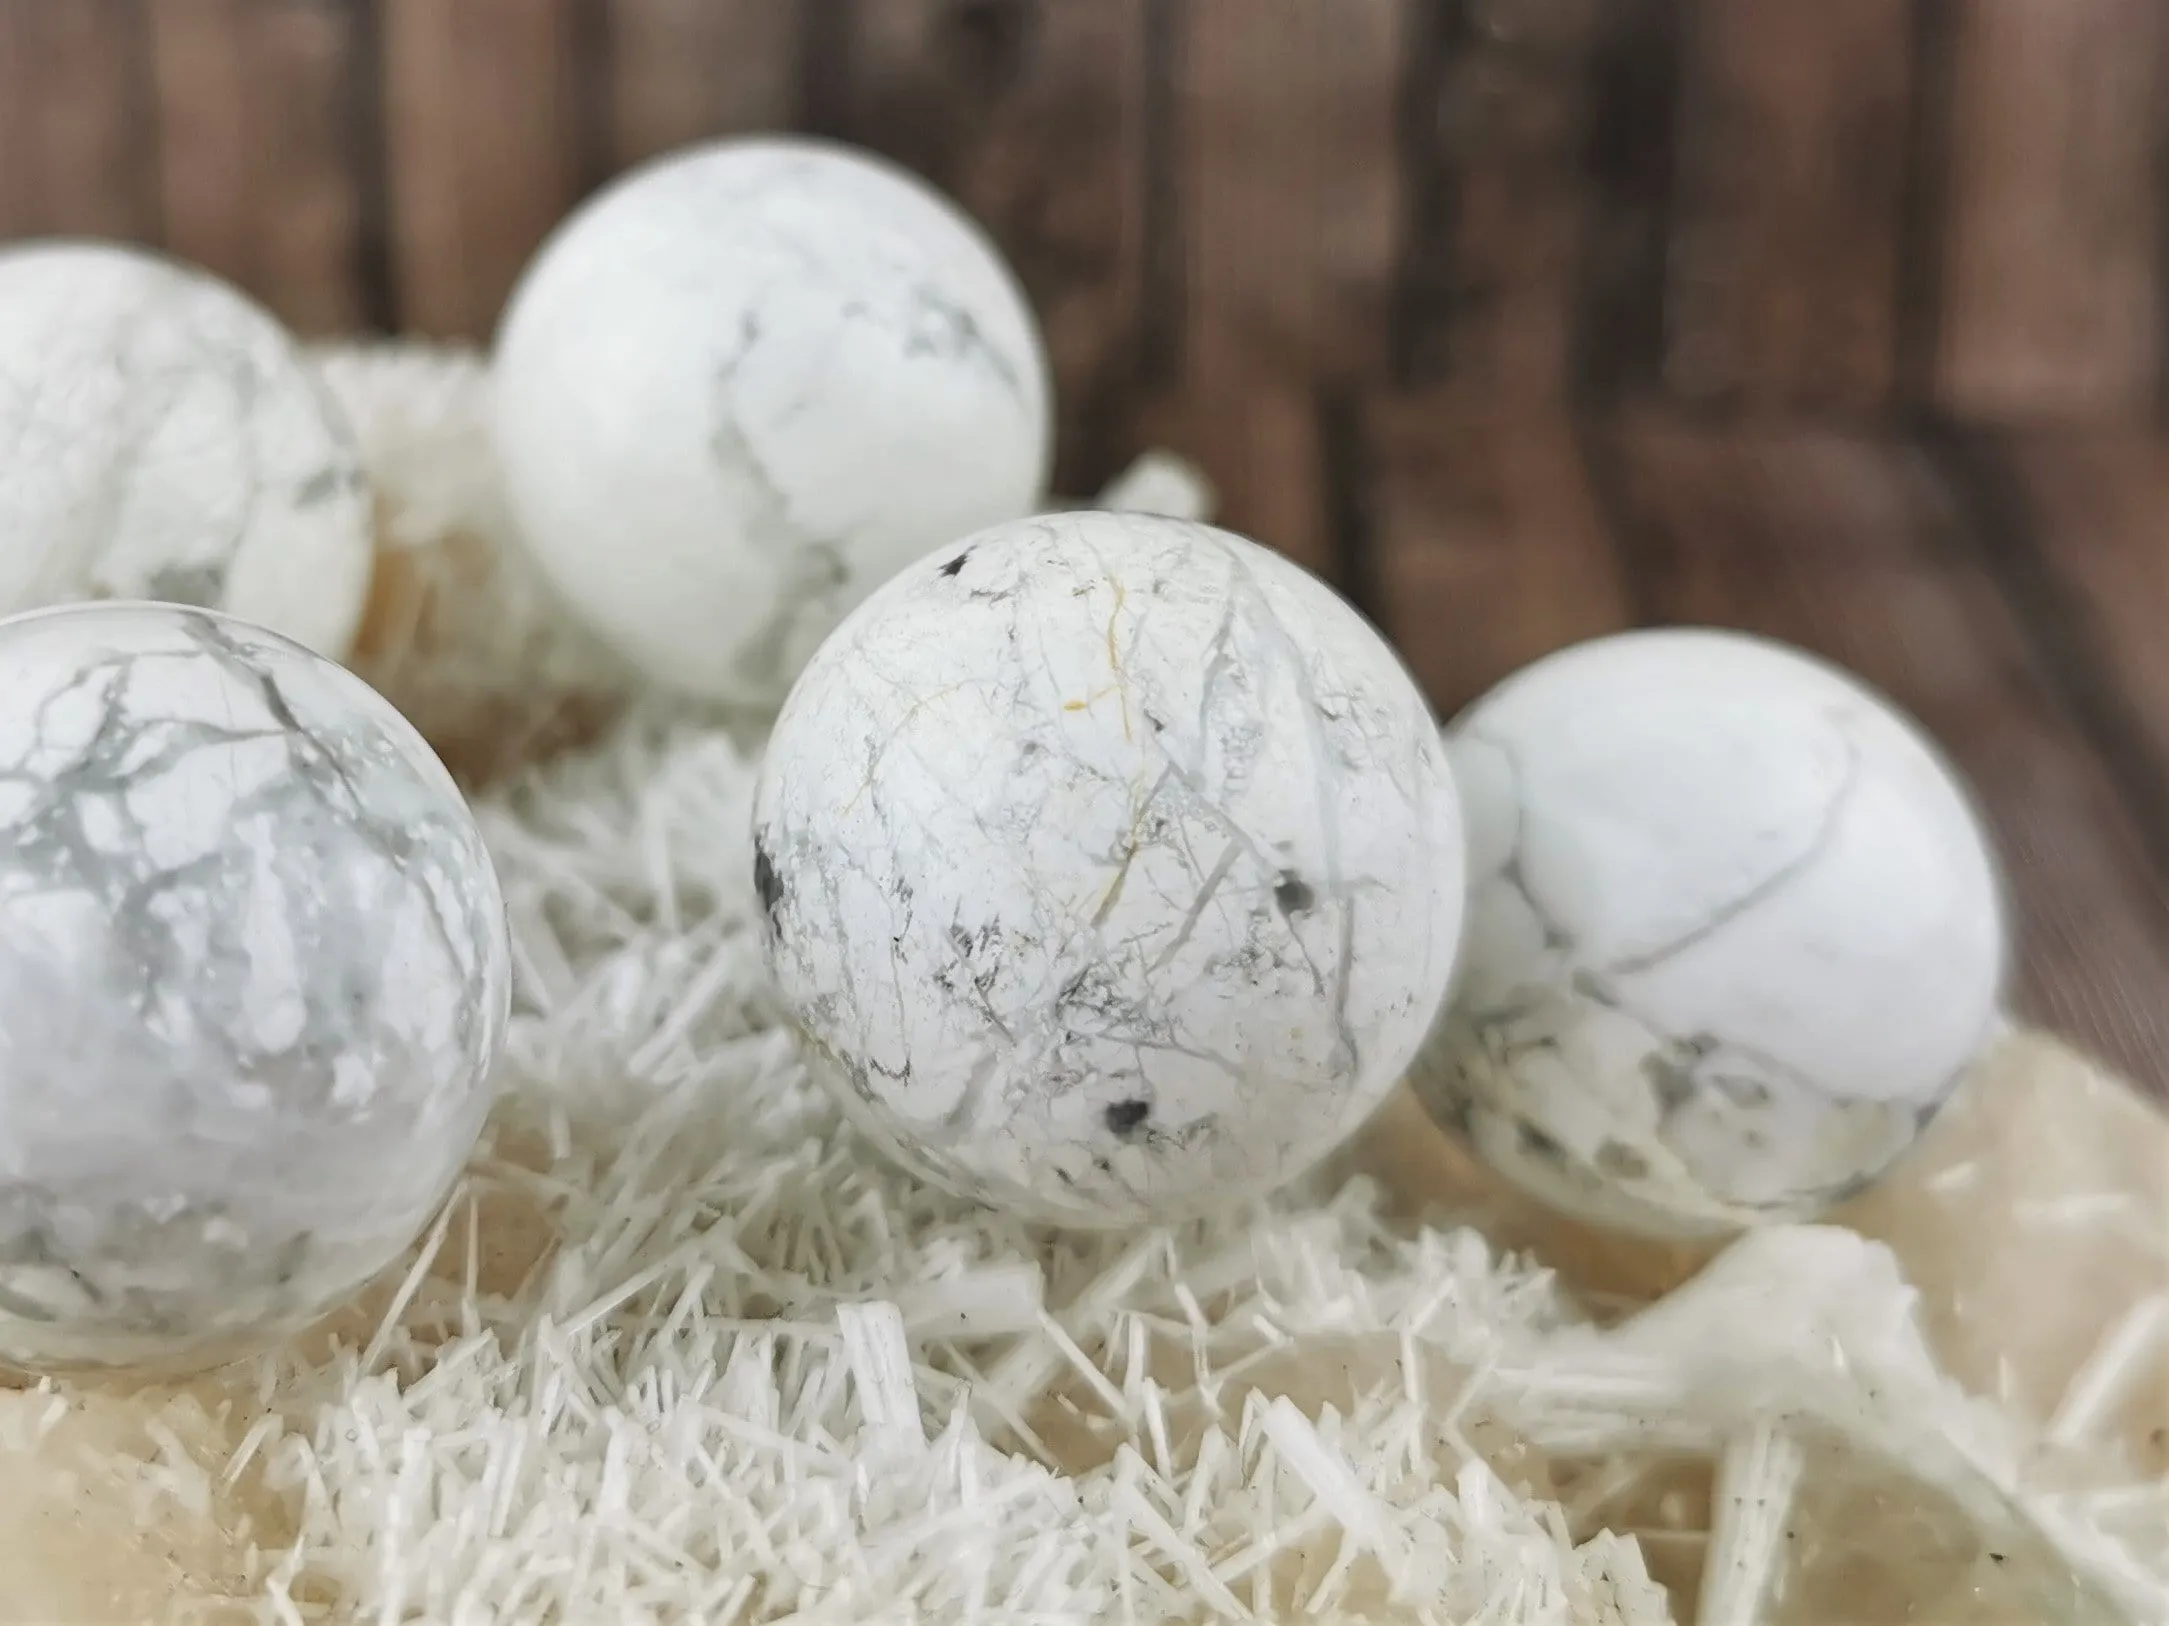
x=1293, y=894
x=1538, y=1144
x=1126, y=1118
x=1621, y=1162
x=767, y=882
x=957, y=564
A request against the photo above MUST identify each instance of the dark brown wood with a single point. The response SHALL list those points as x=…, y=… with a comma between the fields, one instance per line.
x=1629, y=158
x=2051, y=256
x=1856, y=548
x=1788, y=208
x=688, y=70
x=2097, y=506
x=1506, y=134
x=1487, y=549
x=1032, y=114
x=1262, y=446
x=485, y=130
x=256, y=154
x=75, y=121
x=1290, y=185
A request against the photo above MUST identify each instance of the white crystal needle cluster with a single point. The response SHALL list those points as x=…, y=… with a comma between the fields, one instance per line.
x=253, y=975
x=164, y=441
x=1735, y=932
x=681, y=1351
x=716, y=1362
x=1112, y=867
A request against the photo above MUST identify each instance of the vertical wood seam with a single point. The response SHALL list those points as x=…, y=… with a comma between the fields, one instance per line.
x=824, y=66
x=588, y=41
x=1346, y=483
x=1634, y=86
x=1628, y=533
x=1430, y=191
x=1999, y=516
x=2160, y=401
x=368, y=91
x=1922, y=240
x=1163, y=298
x=145, y=136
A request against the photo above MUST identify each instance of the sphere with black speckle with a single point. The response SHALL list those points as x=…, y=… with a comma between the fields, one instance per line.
x=1112, y=867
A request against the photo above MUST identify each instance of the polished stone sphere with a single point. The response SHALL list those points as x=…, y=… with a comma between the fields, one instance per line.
x=253, y=977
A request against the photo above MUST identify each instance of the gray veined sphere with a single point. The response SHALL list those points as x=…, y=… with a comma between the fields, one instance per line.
x=1734, y=933
x=746, y=385
x=165, y=442
x=253, y=975
x=1112, y=865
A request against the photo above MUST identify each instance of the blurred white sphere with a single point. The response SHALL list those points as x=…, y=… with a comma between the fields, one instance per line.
x=748, y=383
x=164, y=441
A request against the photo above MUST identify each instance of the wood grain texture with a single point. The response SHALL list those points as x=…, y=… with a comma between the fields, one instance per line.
x=485, y=133
x=1505, y=134
x=1261, y=444
x=1788, y=208
x=1487, y=549
x=2050, y=261
x=256, y=155
x=2096, y=506
x=688, y=70
x=1032, y=115
x=1630, y=168
x=76, y=130
x=1290, y=184
x=1855, y=548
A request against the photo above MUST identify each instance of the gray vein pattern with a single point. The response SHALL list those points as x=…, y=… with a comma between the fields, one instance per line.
x=1734, y=934
x=253, y=977
x=1112, y=866
x=746, y=385
x=160, y=438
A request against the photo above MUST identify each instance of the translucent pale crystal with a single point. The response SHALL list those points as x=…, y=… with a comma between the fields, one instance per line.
x=2034, y=1220
x=1854, y=1482
x=2029, y=1222
x=111, y=1509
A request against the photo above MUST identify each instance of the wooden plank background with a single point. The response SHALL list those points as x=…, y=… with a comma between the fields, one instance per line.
x=1521, y=320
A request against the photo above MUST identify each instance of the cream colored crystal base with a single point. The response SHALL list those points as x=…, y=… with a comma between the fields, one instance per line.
x=682, y=1350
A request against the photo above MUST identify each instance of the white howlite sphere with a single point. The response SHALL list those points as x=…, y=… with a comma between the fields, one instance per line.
x=1112, y=867
x=253, y=975
x=746, y=385
x=1734, y=933
x=164, y=441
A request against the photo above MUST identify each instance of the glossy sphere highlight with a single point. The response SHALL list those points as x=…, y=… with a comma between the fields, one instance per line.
x=1734, y=933
x=164, y=442
x=1112, y=867
x=744, y=387
x=253, y=974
